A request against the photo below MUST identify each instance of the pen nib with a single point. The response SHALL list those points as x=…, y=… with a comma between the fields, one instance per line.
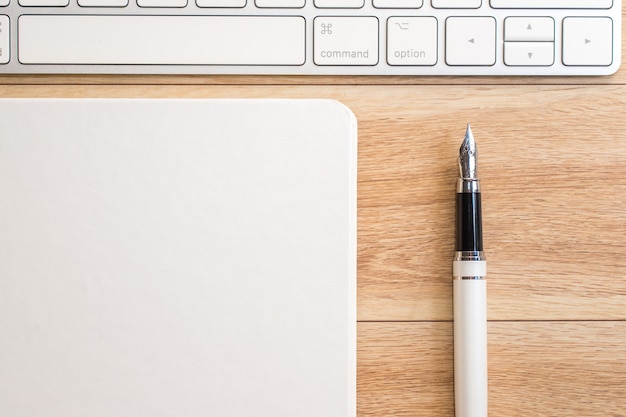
x=467, y=156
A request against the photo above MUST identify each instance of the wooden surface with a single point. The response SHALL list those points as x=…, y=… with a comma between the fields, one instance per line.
x=553, y=170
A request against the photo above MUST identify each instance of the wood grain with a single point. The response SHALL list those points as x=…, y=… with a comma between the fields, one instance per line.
x=539, y=369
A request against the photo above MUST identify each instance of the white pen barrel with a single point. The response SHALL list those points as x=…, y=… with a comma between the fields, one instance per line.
x=470, y=340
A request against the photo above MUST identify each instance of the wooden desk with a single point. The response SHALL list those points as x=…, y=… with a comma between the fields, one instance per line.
x=553, y=169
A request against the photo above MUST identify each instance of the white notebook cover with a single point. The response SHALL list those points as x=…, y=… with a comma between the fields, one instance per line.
x=179, y=258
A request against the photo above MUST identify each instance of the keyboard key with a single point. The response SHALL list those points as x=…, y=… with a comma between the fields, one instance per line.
x=173, y=40
x=221, y=3
x=162, y=3
x=286, y=4
x=103, y=3
x=529, y=29
x=345, y=40
x=551, y=4
x=456, y=4
x=587, y=41
x=4, y=40
x=339, y=4
x=534, y=54
x=398, y=4
x=412, y=41
x=4, y=3
x=44, y=3
x=471, y=41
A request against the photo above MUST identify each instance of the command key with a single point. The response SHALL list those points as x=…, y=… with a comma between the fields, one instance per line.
x=339, y=40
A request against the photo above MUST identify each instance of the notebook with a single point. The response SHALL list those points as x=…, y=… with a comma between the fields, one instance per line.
x=177, y=258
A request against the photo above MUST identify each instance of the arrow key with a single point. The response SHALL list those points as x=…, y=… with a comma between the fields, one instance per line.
x=587, y=41
x=529, y=29
x=536, y=54
x=471, y=41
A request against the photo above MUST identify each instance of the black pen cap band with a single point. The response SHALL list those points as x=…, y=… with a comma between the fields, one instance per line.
x=469, y=231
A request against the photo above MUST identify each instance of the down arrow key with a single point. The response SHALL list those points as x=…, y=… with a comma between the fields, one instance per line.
x=524, y=54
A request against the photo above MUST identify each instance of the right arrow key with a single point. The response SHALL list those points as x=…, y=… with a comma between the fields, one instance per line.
x=587, y=41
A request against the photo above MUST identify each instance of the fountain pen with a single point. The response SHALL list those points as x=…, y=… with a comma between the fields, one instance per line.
x=469, y=291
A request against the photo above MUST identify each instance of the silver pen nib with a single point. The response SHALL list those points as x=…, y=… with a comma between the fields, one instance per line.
x=467, y=156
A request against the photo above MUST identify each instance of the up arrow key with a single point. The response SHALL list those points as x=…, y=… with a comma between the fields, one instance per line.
x=529, y=29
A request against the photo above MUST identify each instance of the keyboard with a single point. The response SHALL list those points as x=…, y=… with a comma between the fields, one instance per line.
x=315, y=37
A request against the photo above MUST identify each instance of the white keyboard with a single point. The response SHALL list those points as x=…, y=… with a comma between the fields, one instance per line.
x=360, y=37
